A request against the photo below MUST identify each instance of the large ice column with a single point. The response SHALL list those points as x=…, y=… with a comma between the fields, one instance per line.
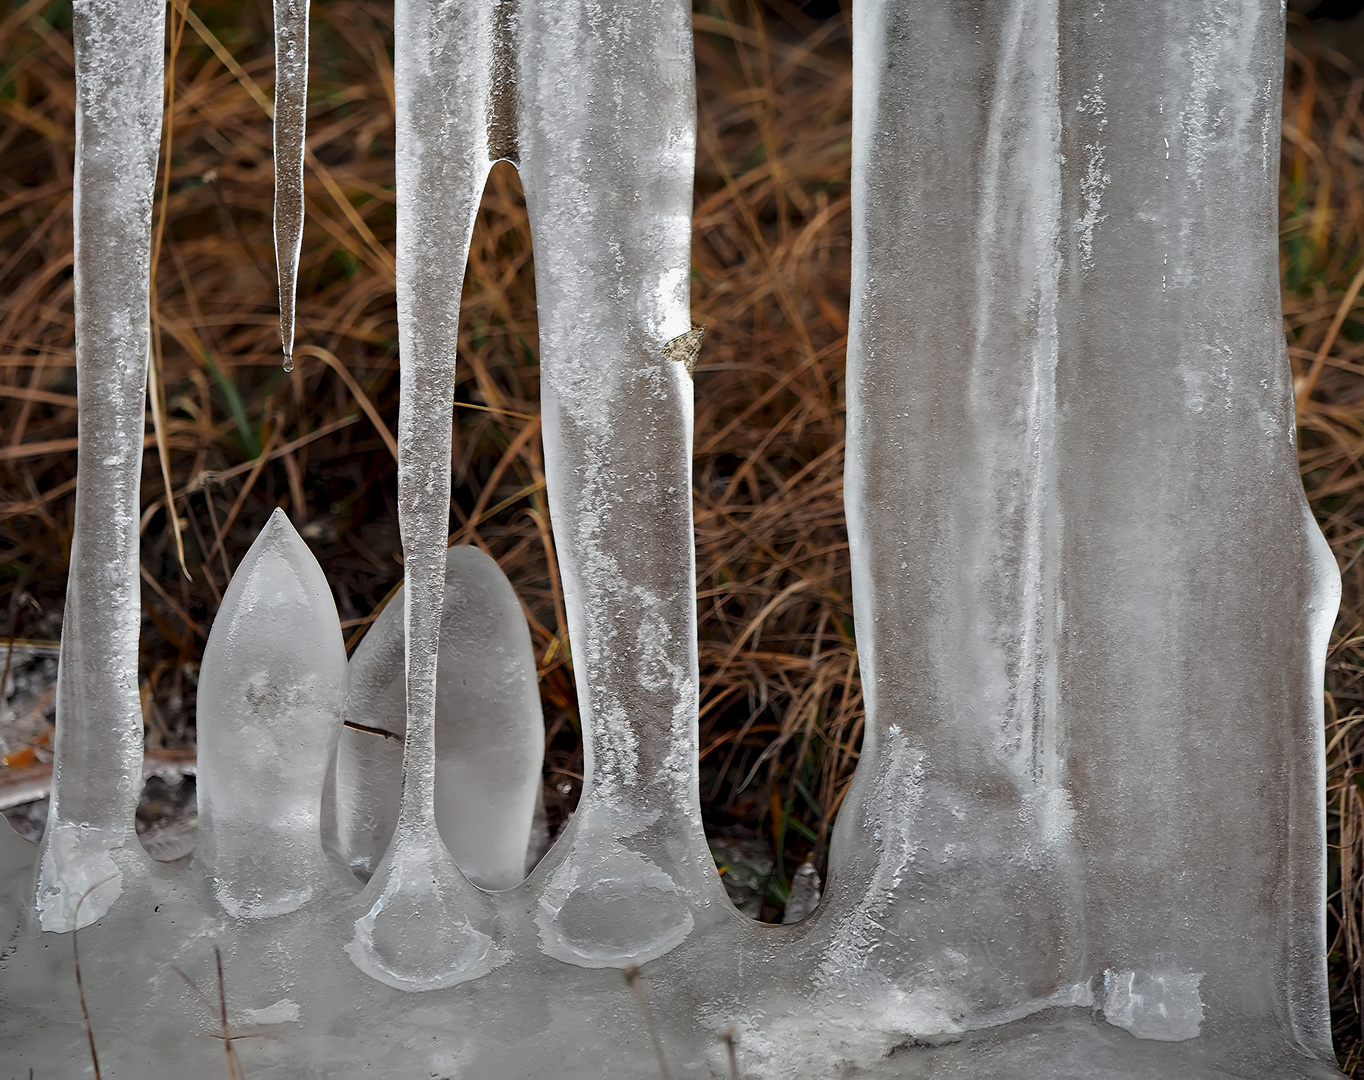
x=444, y=61
x=957, y=842
x=1198, y=591
x=596, y=105
x=490, y=735
x=607, y=141
x=272, y=692
x=1091, y=604
x=97, y=771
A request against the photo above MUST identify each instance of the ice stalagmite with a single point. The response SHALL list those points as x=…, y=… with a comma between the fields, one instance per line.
x=443, y=67
x=291, y=108
x=97, y=770
x=272, y=692
x=489, y=731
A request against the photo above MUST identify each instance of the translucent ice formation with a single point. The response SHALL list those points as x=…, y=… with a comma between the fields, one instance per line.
x=442, y=84
x=606, y=161
x=291, y=114
x=584, y=104
x=272, y=693
x=97, y=769
x=1091, y=604
x=1085, y=836
x=489, y=730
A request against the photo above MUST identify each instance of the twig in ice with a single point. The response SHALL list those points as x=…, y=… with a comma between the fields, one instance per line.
x=234, y=1069
x=80, y=983
x=728, y=1038
x=636, y=980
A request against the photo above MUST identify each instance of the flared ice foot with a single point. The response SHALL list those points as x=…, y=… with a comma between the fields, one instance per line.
x=606, y=905
x=79, y=876
x=418, y=933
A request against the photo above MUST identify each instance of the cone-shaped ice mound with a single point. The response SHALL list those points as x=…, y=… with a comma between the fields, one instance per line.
x=272, y=692
x=489, y=731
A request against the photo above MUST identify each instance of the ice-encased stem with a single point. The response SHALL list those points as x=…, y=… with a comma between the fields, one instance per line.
x=97, y=766
x=291, y=112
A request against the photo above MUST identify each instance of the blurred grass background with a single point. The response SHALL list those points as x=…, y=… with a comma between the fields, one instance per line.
x=781, y=703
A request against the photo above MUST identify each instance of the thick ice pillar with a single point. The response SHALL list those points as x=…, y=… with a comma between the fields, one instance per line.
x=1091, y=604
x=97, y=771
x=607, y=144
x=596, y=106
x=1202, y=593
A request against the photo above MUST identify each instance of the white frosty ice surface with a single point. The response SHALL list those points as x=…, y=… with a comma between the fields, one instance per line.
x=1154, y=1004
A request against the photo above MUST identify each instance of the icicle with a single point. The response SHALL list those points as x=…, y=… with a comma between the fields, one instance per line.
x=608, y=154
x=97, y=771
x=941, y=808
x=291, y=114
x=442, y=83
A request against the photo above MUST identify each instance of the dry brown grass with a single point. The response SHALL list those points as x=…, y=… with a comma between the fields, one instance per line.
x=781, y=703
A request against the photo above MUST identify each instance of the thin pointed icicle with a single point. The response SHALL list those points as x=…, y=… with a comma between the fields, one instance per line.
x=608, y=130
x=97, y=768
x=272, y=690
x=291, y=113
x=490, y=734
x=425, y=927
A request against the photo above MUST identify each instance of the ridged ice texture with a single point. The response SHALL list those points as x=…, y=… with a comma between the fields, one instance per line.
x=599, y=114
x=291, y=115
x=1091, y=603
x=272, y=693
x=490, y=733
x=97, y=768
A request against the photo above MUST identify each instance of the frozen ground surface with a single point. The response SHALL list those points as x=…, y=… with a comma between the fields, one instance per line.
x=297, y=1009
